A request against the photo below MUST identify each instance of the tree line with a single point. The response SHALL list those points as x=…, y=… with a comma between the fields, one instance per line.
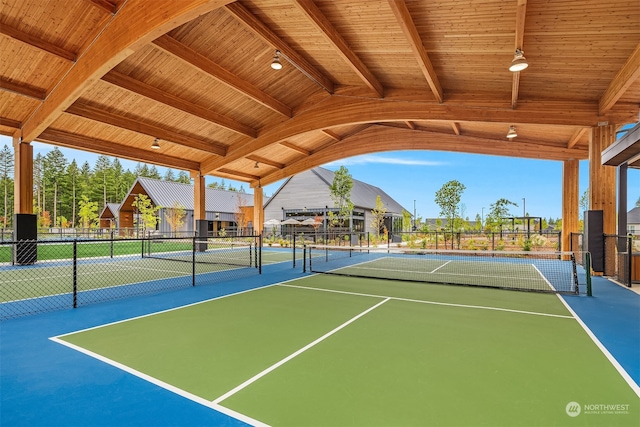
x=61, y=188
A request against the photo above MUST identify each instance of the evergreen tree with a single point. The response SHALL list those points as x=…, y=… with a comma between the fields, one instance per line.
x=169, y=176
x=73, y=174
x=102, y=182
x=84, y=181
x=153, y=173
x=37, y=181
x=6, y=184
x=54, y=166
x=183, y=177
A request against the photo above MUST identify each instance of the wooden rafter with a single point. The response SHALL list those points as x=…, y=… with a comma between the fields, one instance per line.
x=521, y=13
x=410, y=124
x=322, y=23
x=36, y=42
x=629, y=73
x=415, y=41
x=238, y=174
x=334, y=136
x=110, y=148
x=265, y=161
x=576, y=137
x=295, y=148
x=148, y=91
x=118, y=40
x=136, y=125
x=456, y=128
x=15, y=124
x=381, y=139
x=23, y=90
x=105, y=5
x=243, y=15
x=193, y=58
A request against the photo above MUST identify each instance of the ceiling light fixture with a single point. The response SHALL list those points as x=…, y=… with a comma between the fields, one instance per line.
x=256, y=166
x=276, y=64
x=512, y=132
x=155, y=144
x=519, y=62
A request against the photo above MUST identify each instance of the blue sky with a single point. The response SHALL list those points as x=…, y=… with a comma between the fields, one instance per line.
x=417, y=175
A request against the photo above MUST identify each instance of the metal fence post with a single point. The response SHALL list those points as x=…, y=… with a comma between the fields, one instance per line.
x=75, y=273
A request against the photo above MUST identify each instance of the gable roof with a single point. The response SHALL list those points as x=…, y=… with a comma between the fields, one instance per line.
x=166, y=193
x=363, y=195
x=633, y=216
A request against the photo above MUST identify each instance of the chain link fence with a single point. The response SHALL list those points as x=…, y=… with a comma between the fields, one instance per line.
x=45, y=275
x=618, y=255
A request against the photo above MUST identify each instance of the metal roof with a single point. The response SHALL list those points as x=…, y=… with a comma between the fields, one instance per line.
x=166, y=193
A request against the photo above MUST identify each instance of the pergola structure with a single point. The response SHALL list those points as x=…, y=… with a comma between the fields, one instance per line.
x=358, y=76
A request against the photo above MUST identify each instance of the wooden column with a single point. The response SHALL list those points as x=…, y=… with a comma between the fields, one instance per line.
x=602, y=179
x=199, y=211
x=23, y=175
x=570, y=214
x=258, y=211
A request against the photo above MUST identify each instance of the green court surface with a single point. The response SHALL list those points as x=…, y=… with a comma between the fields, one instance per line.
x=330, y=351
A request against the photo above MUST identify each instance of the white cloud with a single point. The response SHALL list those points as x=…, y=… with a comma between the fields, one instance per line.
x=368, y=159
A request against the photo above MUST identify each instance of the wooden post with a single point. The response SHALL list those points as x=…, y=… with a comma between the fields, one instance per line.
x=23, y=175
x=602, y=179
x=570, y=214
x=199, y=212
x=258, y=211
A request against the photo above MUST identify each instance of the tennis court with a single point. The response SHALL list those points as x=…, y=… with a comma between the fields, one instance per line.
x=331, y=350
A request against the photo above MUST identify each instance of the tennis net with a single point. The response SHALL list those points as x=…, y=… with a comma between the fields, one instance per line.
x=527, y=271
x=219, y=251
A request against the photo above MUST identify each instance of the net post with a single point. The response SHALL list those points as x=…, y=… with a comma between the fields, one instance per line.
x=293, y=247
x=574, y=271
x=304, y=259
x=193, y=261
x=259, y=254
x=111, y=243
x=75, y=273
x=587, y=267
x=629, y=259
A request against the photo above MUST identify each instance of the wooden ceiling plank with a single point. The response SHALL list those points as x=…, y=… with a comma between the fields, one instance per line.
x=109, y=148
x=23, y=90
x=382, y=139
x=117, y=41
x=576, y=137
x=135, y=125
x=456, y=128
x=254, y=24
x=295, y=148
x=265, y=161
x=410, y=31
x=521, y=13
x=628, y=74
x=38, y=43
x=309, y=8
x=148, y=91
x=178, y=50
x=105, y=5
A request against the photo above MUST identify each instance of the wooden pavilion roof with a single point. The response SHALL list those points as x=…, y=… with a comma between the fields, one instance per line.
x=358, y=76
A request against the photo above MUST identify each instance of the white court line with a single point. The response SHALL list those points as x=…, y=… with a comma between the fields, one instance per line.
x=163, y=384
x=479, y=307
x=603, y=349
x=291, y=356
x=438, y=268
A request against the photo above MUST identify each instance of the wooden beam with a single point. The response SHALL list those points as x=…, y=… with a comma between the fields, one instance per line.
x=259, y=28
x=338, y=111
x=627, y=75
x=15, y=124
x=295, y=148
x=105, y=5
x=265, y=161
x=309, y=8
x=576, y=137
x=410, y=124
x=23, y=90
x=38, y=43
x=410, y=31
x=331, y=134
x=116, y=42
x=189, y=56
x=108, y=148
x=521, y=12
x=148, y=91
x=136, y=125
x=456, y=128
x=238, y=175
x=381, y=139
